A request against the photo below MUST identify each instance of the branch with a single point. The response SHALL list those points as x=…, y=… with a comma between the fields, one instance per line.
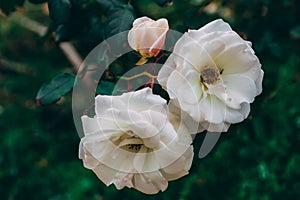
x=15, y=66
x=67, y=48
x=29, y=24
x=72, y=54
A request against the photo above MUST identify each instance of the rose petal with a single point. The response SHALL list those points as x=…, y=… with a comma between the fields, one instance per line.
x=240, y=88
x=150, y=183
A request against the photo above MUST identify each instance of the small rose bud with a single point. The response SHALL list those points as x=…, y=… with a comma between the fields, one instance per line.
x=148, y=36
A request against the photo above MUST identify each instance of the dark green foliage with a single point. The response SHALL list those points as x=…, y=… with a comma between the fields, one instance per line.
x=8, y=6
x=60, y=11
x=55, y=89
x=105, y=88
x=163, y=3
x=62, y=33
x=118, y=20
x=257, y=159
x=37, y=1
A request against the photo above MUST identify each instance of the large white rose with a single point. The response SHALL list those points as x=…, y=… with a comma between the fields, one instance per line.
x=148, y=36
x=132, y=143
x=212, y=75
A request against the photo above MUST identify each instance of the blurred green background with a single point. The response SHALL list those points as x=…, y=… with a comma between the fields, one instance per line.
x=256, y=159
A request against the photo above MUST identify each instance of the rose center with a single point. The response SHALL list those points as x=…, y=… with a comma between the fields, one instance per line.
x=209, y=75
x=129, y=142
x=134, y=147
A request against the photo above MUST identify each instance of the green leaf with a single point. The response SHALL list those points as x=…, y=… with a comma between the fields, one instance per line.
x=119, y=19
x=105, y=88
x=106, y=5
x=62, y=33
x=295, y=32
x=37, y=1
x=163, y=3
x=59, y=11
x=55, y=89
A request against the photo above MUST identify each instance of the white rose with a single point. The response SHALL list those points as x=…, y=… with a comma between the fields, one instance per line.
x=212, y=75
x=131, y=142
x=148, y=36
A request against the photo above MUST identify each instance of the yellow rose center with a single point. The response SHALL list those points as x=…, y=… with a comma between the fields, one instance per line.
x=210, y=75
x=129, y=142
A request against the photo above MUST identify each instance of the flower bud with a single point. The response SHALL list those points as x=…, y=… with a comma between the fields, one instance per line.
x=148, y=36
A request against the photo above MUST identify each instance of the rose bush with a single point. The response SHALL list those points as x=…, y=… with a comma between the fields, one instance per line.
x=212, y=75
x=148, y=36
x=132, y=143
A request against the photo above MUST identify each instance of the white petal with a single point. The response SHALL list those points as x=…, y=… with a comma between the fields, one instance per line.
x=122, y=180
x=220, y=127
x=216, y=25
x=213, y=109
x=143, y=97
x=194, y=54
x=233, y=116
x=258, y=82
x=166, y=70
x=170, y=172
x=150, y=183
x=176, y=166
x=185, y=89
x=88, y=160
x=165, y=156
x=89, y=125
x=240, y=88
x=238, y=58
x=105, y=174
x=146, y=162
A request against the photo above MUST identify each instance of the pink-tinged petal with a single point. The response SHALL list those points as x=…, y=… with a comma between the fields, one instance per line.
x=133, y=39
x=142, y=20
x=148, y=36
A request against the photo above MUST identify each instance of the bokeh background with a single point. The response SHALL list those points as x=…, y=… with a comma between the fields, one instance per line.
x=256, y=159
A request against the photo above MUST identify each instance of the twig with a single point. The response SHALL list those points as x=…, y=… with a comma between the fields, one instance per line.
x=72, y=54
x=28, y=23
x=68, y=48
x=16, y=67
x=137, y=75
